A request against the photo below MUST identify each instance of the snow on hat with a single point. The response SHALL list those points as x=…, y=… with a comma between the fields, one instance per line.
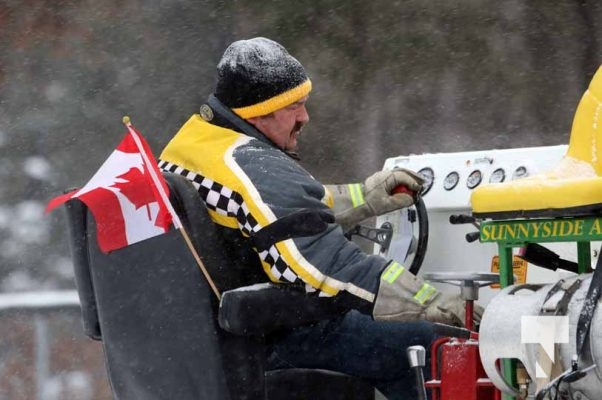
x=258, y=76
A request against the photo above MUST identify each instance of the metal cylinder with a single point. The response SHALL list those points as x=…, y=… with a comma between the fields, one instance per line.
x=504, y=334
x=417, y=360
x=416, y=356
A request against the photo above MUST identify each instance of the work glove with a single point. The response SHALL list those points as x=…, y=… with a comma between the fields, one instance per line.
x=451, y=310
x=355, y=202
x=404, y=297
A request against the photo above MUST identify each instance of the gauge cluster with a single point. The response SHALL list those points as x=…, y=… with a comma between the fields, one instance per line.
x=429, y=179
x=451, y=178
x=471, y=177
x=497, y=176
x=474, y=179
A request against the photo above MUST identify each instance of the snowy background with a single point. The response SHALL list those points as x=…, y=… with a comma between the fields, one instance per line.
x=390, y=78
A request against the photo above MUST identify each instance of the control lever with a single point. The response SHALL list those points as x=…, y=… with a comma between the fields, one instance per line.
x=417, y=360
x=456, y=219
x=472, y=236
x=454, y=331
x=543, y=257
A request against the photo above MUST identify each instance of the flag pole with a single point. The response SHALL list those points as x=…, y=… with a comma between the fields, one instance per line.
x=165, y=198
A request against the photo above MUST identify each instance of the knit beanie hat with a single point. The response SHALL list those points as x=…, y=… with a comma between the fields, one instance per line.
x=258, y=76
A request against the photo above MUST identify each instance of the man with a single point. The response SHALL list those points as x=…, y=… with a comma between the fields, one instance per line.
x=239, y=153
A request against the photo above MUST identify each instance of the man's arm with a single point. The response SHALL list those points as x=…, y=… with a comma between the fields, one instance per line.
x=356, y=202
x=329, y=263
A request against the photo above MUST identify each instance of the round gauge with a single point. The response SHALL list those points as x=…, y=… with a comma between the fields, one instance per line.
x=497, y=176
x=451, y=180
x=474, y=179
x=520, y=172
x=429, y=177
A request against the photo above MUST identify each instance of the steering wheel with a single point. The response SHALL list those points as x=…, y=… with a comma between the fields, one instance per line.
x=383, y=235
x=420, y=216
x=423, y=236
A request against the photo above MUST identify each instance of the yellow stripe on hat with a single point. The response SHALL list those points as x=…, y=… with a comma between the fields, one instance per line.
x=275, y=103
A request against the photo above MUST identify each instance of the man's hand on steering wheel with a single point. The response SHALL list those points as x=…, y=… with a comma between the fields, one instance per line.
x=377, y=196
x=380, y=191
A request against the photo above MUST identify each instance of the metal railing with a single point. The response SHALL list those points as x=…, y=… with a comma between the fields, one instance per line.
x=39, y=304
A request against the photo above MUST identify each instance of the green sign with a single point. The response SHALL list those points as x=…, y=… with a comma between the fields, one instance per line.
x=542, y=230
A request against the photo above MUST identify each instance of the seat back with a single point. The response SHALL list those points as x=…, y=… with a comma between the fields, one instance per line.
x=573, y=187
x=155, y=313
x=586, y=132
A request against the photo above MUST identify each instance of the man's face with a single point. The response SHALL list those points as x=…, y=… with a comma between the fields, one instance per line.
x=283, y=126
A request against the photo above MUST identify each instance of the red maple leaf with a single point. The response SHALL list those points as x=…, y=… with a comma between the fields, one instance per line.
x=136, y=188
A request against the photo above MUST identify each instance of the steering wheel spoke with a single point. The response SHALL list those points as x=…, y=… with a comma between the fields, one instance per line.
x=382, y=236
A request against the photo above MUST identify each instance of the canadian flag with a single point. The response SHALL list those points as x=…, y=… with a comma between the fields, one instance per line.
x=127, y=196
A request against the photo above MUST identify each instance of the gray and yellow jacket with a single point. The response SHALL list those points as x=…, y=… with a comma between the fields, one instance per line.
x=249, y=184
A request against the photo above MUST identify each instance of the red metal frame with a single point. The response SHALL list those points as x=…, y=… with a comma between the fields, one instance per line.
x=468, y=320
x=456, y=369
x=457, y=372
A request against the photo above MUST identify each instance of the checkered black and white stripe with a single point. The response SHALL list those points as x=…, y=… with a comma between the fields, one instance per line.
x=229, y=203
x=217, y=197
x=280, y=268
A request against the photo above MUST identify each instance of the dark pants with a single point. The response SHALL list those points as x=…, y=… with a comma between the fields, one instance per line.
x=357, y=345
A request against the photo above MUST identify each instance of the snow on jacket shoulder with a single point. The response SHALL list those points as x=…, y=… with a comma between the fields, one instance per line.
x=247, y=185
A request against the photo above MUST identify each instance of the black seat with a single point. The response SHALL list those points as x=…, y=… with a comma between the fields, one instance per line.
x=158, y=318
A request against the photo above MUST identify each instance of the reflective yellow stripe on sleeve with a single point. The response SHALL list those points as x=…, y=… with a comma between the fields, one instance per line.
x=355, y=191
x=392, y=272
x=425, y=293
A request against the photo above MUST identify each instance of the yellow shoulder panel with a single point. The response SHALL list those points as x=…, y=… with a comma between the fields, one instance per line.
x=188, y=148
x=207, y=149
